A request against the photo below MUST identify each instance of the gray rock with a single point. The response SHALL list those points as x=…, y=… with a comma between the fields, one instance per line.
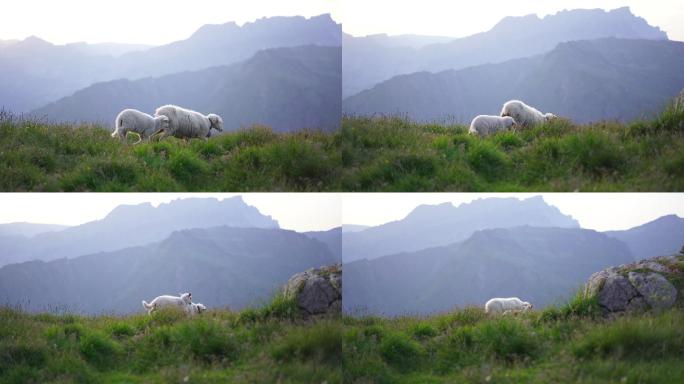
x=317, y=291
x=637, y=304
x=629, y=288
x=656, y=290
x=653, y=266
x=317, y=295
x=597, y=281
x=616, y=293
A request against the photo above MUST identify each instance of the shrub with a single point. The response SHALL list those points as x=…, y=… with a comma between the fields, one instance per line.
x=207, y=341
x=401, y=353
x=487, y=160
x=635, y=338
x=507, y=339
x=99, y=350
x=423, y=330
x=319, y=342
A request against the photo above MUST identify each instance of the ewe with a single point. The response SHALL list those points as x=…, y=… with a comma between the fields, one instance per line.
x=500, y=305
x=523, y=114
x=183, y=301
x=186, y=123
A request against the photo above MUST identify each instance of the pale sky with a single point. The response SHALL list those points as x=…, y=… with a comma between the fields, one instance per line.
x=153, y=22
x=598, y=211
x=464, y=18
x=296, y=211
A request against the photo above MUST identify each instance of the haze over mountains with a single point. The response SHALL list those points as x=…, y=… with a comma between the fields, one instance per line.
x=221, y=266
x=605, y=79
x=541, y=265
x=28, y=229
x=225, y=252
x=133, y=225
x=574, y=63
x=471, y=253
x=285, y=88
x=435, y=225
x=34, y=72
x=372, y=59
x=661, y=236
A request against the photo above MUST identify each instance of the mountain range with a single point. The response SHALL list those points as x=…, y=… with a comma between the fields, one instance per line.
x=590, y=80
x=221, y=266
x=663, y=236
x=34, y=72
x=541, y=265
x=132, y=225
x=29, y=229
x=285, y=88
x=370, y=60
x=435, y=225
x=441, y=256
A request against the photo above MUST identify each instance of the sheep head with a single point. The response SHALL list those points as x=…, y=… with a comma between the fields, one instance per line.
x=186, y=297
x=161, y=123
x=216, y=122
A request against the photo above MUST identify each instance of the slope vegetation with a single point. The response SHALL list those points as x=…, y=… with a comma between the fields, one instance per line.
x=43, y=157
x=397, y=154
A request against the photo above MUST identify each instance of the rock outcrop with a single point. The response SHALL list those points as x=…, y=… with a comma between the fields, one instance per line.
x=318, y=291
x=652, y=284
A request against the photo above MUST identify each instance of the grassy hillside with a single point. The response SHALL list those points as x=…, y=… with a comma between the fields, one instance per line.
x=40, y=157
x=394, y=154
x=266, y=345
x=570, y=344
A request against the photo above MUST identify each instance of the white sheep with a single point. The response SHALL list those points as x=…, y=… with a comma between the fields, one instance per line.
x=132, y=120
x=525, y=115
x=484, y=125
x=182, y=301
x=186, y=123
x=501, y=305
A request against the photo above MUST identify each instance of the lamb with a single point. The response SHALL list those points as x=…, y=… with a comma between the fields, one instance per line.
x=183, y=301
x=484, y=125
x=197, y=308
x=502, y=305
x=132, y=120
x=525, y=115
x=186, y=123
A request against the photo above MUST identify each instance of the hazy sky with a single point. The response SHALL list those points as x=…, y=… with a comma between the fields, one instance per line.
x=154, y=22
x=296, y=211
x=463, y=18
x=598, y=211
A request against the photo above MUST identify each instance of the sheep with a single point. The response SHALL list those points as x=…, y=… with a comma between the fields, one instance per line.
x=484, y=125
x=502, y=305
x=185, y=123
x=197, y=308
x=523, y=114
x=183, y=301
x=132, y=120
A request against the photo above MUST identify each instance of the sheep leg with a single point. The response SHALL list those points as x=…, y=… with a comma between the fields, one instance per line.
x=139, y=139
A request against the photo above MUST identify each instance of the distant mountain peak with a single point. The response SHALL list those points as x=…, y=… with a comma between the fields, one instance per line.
x=34, y=42
x=620, y=18
x=210, y=30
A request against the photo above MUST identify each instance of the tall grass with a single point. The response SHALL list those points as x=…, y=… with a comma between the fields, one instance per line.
x=570, y=343
x=217, y=346
x=390, y=153
x=40, y=157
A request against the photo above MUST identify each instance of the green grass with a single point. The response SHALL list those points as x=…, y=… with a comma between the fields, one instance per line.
x=216, y=347
x=40, y=157
x=394, y=154
x=566, y=344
